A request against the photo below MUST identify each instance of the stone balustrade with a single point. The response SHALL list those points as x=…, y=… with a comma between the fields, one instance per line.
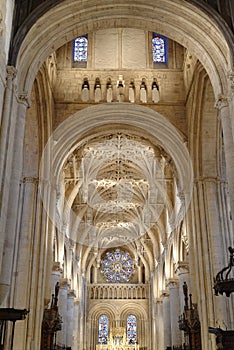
x=118, y=291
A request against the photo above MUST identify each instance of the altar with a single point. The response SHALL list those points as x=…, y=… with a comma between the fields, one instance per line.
x=117, y=341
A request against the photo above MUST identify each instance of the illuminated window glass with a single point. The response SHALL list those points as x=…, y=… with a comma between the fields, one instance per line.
x=117, y=266
x=103, y=326
x=159, y=48
x=80, y=49
x=131, y=329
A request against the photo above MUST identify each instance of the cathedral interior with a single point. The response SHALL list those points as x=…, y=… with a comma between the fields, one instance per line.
x=116, y=174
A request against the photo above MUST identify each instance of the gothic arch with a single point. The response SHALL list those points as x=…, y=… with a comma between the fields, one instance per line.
x=68, y=135
x=185, y=24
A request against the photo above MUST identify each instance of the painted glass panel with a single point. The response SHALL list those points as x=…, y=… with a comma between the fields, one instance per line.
x=117, y=266
x=80, y=49
x=159, y=49
x=131, y=329
x=103, y=326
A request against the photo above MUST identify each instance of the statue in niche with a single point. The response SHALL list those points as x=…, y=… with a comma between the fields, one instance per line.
x=143, y=93
x=131, y=92
x=97, y=91
x=109, y=92
x=120, y=89
x=155, y=92
x=85, y=91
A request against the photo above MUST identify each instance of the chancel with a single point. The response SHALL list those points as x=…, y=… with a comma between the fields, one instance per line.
x=116, y=174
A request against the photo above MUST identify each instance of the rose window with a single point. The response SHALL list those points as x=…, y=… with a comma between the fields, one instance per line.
x=117, y=266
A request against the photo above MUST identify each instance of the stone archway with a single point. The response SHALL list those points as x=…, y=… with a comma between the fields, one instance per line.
x=183, y=23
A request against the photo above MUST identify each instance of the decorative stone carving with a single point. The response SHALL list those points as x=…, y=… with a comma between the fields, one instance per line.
x=221, y=102
x=24, y=99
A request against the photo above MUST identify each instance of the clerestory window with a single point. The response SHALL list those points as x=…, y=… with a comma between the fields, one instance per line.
x=159, y=48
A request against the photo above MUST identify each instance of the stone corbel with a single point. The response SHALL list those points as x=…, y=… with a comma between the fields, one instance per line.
x=221, y=102
x=24, y=99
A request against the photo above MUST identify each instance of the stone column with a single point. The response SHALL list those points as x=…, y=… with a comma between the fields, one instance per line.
x=10, y=195
x=166, y=318
x=23, y=284
x=159, y=324
x=228, y=139
x=70, y=317
x=176, y=336
x=75, y=345
x=62, y=306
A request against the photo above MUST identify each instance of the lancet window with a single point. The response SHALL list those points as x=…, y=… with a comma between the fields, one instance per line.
x=103, y=329
x=131, y=329
x=80, y=49
x=159, y=48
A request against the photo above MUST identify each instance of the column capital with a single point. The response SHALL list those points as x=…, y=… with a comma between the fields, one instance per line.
x=221, y=102
x=64, y=283
x=30, y=179
x=182, y=267
x=164, y=293
x=11, y=72
x=71, y=294
x=76, y=301
x=57, y=267
x=23, y=98
x=172, y=282
x=158, y=300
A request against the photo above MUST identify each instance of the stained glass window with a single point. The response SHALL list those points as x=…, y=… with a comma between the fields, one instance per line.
x=159, y=47
x=117, y=266
x=131, y=329
x=80, y=49
x=103, y=328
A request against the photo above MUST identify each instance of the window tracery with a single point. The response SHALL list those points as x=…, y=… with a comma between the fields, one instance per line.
x=117, y=266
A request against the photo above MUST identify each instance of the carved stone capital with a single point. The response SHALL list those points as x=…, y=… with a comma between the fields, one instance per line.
x=30, y=179
x=71, y=293
x=11, y=72
x=172, y=283
x=57, y=267
x=164, y=293
x=221, y=102
x=182, y=267
x=24, y=99
x=64, y=283
x=158, y=301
